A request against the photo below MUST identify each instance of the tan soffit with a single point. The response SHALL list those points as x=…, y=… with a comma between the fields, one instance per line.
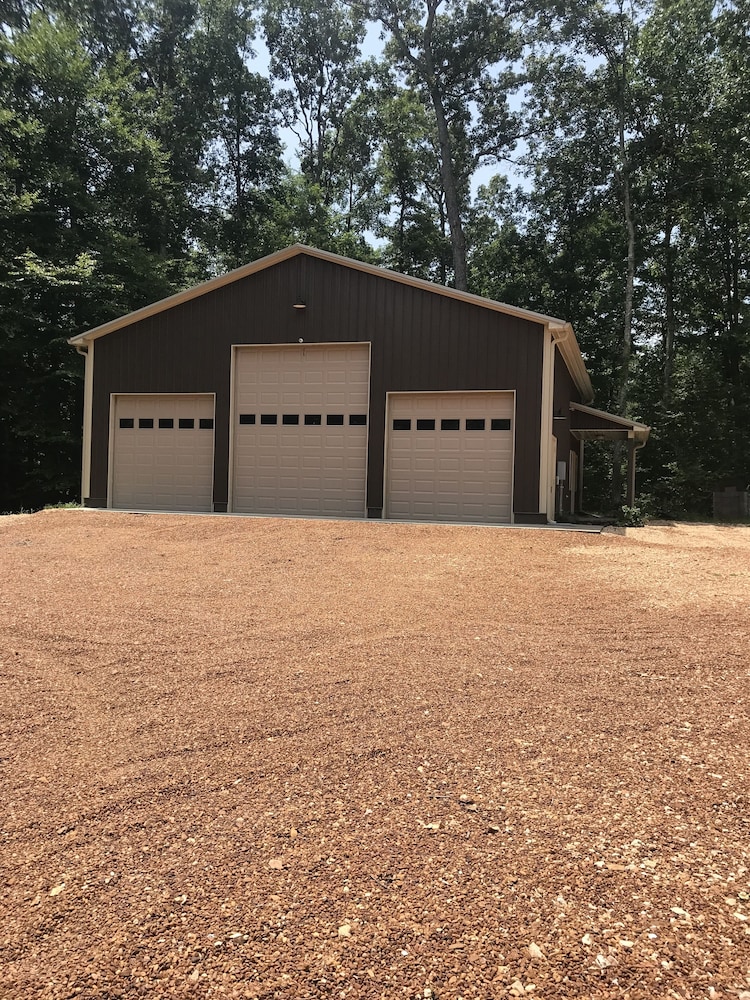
x=567, y=343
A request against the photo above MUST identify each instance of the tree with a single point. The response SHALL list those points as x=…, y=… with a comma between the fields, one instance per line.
x=315, y=48
x=457, y=59
x=413, y=218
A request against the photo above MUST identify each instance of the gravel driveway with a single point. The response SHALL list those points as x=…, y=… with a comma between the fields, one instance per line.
x=280, y=758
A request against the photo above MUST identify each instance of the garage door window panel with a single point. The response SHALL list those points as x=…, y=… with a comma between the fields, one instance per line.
x=323, y=387
x=161, y=467
x=457, y=471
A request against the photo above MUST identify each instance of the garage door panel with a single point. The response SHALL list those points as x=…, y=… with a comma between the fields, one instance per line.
x=160, y=467
x=315, y=468
x=449, y=464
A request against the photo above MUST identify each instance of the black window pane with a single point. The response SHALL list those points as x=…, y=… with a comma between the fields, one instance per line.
x=357, y=419
x=146, y=422
x=206, y=423
x=500, y=425
x=127, y=422
x=268, y=418
x=475, y=425
x=402, y=425
x=313, y=419
x=186, y=423
x=425, y=425
x=247, y=418
x=290, y=418
x=335, y=419
x=166, y=422
x=450, y=424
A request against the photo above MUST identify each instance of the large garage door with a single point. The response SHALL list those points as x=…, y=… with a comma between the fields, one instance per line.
x=300, y=429
x=450, y=456
x=163, y=452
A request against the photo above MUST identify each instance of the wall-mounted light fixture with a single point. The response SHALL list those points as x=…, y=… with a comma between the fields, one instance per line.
x=559, y=415
x=300, y=304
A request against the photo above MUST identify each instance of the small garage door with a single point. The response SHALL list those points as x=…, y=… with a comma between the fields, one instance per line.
x=163, y=453
x=300, y=429
x=450, y=456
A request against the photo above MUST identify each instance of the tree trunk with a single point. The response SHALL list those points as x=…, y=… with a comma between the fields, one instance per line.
x=669, y=319
x=626, y=346
x=448, y=177
x=447, y=173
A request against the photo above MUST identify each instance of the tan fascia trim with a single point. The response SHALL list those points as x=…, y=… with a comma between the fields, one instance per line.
x=565, y=339
x=294, y=251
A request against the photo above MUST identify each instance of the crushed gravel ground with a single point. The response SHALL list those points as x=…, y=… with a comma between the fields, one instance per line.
x=280, y=758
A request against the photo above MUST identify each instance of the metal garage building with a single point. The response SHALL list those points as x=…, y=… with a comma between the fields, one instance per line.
x=309, y=384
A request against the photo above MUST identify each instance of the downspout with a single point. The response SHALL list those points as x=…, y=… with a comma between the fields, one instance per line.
x=563, y=331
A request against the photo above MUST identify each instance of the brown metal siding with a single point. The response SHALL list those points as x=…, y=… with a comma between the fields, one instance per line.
x=590, y=422
x=420, y=341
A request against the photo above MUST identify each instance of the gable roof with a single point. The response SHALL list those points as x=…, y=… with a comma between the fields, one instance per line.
x=561, y=330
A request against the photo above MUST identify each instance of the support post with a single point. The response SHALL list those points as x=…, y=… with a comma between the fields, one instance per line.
x=631, y=470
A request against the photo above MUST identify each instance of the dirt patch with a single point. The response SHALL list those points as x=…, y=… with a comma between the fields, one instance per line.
x=279, y=758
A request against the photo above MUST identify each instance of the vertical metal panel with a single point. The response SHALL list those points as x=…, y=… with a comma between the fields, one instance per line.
x=420, y=342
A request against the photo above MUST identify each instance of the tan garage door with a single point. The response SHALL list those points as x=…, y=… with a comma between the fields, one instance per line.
x=162, y=453
x=450, y=456
x=300, y=429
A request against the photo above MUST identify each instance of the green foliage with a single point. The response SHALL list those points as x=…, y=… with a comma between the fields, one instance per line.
x=631, y=517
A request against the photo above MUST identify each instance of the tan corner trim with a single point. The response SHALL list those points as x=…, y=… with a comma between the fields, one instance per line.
x=545, y=430
x=88, y=409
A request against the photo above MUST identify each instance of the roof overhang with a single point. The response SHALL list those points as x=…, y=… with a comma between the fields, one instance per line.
x=561, y=330
x=588, y=424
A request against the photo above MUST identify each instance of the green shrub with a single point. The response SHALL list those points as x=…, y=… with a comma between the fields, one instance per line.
x=631, y=517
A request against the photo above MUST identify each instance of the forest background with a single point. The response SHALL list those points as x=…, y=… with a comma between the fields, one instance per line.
x=142, y=150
